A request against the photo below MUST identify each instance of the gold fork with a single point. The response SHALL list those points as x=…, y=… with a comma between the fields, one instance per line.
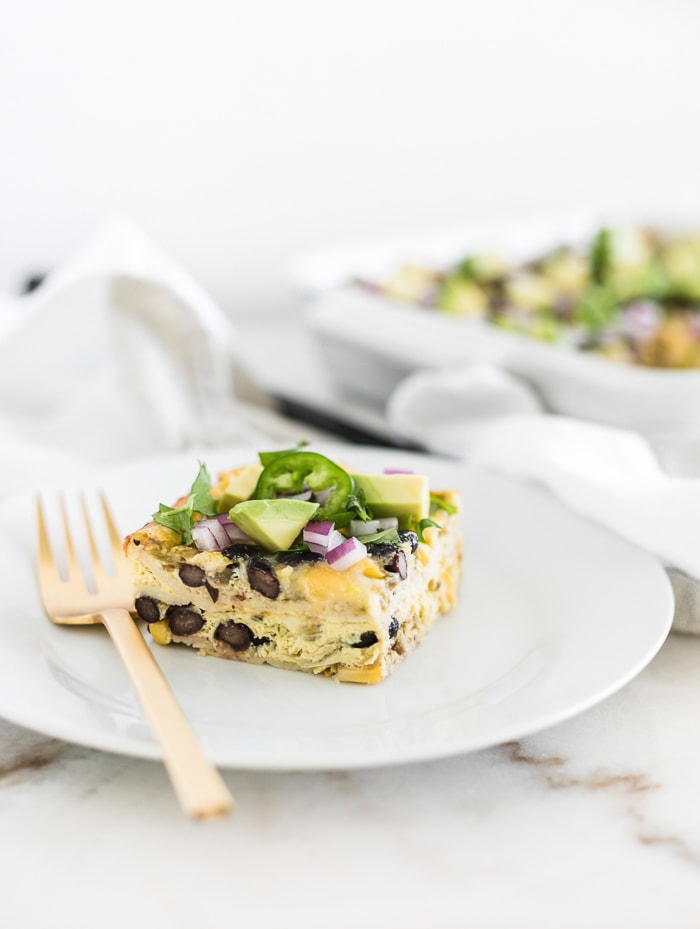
x=198, y=785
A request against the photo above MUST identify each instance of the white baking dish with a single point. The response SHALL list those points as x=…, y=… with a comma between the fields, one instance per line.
x=369, y=343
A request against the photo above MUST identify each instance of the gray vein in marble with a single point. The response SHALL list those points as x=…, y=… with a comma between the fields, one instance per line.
x=633, y=786
x=27, y=760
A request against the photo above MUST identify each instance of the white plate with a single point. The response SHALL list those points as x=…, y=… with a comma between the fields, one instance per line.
x=554, y=615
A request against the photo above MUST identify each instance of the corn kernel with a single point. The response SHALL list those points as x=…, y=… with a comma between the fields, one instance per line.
x=372, y=569
x=161, y=632
x=371, y=675
x=449, y=594
x=431, y=535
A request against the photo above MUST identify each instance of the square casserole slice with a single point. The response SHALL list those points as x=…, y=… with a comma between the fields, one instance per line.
x=291, y=609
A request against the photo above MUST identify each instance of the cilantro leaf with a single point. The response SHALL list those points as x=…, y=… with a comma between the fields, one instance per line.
x=437, y=503
x=200, y=492
x=387, y=536
x=357, y=504
x=601, y=256
x=179, y=519
x=597, y=308
x=423, y=525
x=341, y=519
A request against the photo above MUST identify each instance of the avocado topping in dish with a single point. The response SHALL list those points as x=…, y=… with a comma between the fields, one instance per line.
x=629, y=295
x=302, y=500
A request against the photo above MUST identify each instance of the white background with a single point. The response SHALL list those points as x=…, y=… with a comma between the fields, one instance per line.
x=241, y=133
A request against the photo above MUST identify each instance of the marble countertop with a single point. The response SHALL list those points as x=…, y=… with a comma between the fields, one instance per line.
x=592, y=823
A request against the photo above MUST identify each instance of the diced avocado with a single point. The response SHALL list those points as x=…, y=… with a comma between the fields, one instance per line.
x=629, y=282
x=630, y=246
x=488, y=266
x=406, y=496
x=274, y=524
x=410, y=284
x=462, y=297
x=531, y=290
x=681, y=261
x=240, y=487
x=567, y=270
x=546, y=329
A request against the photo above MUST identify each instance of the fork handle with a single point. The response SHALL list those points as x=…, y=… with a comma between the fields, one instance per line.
x=198, y=785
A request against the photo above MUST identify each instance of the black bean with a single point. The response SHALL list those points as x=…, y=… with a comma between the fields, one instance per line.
x=239, y=550
x=237, y=635
x=184, y=621
x=192, y=575
x=411, y=538
x=381, y=549
x=366, y=639
x=398, y=565
x=393, y=627
x=295, y=558
x=213, y=591
x=148, y=609
x=262, y=577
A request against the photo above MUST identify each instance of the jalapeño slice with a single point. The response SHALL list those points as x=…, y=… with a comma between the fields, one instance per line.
x=288, y=474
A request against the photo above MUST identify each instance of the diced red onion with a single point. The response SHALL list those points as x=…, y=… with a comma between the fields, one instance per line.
x=317, y=549
x=364, y=527
x=345, y=555
x=304, y=495
x=203, y=537
x=218, y=532
x=397, y=471
x=321, y=536
x=236, y=534
x=359, y=527
x=322, y=496
x=318, y=532
x=334, y=540
x=640, y=319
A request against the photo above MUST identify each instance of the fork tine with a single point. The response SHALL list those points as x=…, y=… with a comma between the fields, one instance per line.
x=46, y=561
x=114, y=536
x=97, y=566
x=75, y=573
x=120, y=563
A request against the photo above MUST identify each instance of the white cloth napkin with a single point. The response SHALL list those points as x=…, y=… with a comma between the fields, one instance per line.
x=120, y=353
x=448, y=410
x=607, y=474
